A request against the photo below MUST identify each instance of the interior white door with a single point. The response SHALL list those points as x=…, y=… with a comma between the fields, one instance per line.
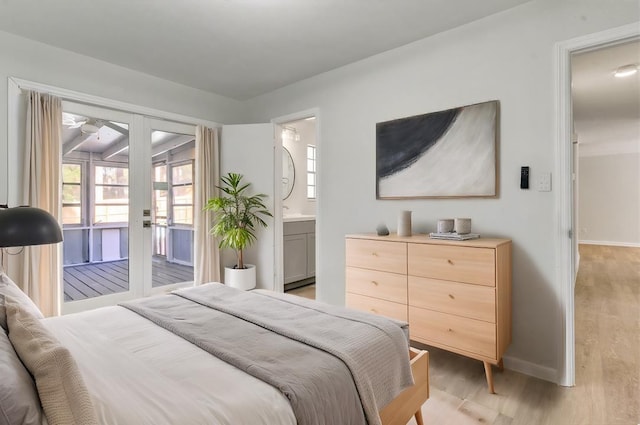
x=575, y=226
x=248, y=149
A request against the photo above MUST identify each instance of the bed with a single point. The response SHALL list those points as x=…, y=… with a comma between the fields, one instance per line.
x=138, y=363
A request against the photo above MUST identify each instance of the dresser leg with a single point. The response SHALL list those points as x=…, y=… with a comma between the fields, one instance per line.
x=419, y=419
x=501, y=366
x=487, y=371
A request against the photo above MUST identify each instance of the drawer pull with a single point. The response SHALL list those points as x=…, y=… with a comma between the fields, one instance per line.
x=375, y=254
x=450, y=262
x=452, y=297
x=374, y=282
x=450, y=330
x=374, y=310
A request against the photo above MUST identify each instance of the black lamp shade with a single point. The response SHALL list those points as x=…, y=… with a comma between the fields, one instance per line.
x=24, y=226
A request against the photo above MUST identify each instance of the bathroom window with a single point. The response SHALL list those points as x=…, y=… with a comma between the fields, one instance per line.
x=311, y=172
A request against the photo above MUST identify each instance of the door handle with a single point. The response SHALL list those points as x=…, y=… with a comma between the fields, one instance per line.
x=146, y=223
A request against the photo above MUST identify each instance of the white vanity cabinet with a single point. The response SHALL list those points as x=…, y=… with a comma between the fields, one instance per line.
x=299, y=250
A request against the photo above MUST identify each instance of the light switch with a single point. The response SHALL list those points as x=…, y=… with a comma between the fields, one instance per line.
x=543, y=182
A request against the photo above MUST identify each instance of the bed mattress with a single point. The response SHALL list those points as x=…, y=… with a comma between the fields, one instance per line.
x=139, y=373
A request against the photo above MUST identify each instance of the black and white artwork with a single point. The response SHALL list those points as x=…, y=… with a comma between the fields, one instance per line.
x=442, y=154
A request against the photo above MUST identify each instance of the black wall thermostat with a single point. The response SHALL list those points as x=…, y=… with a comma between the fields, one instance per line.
x=524, y=177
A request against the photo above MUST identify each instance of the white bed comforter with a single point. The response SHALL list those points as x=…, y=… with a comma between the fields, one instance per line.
x=138, y=373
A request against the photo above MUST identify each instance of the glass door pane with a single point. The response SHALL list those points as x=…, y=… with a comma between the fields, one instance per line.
x=95, y=205
x=172, y=233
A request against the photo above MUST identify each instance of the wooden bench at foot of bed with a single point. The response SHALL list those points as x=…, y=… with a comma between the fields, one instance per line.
x=409, y=402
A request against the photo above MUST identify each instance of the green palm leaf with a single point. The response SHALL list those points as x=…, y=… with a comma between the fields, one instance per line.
x=236, y=215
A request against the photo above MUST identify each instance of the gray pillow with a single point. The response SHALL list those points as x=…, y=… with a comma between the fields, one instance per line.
x=19, y=402
x=8, y=287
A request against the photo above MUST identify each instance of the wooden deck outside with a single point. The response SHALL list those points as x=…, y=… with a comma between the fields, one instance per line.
x=93, y=280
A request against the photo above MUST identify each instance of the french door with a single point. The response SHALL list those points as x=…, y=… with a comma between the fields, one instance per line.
x=170, y=236
x=127, y=219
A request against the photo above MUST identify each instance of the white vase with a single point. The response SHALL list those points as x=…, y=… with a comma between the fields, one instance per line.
x=243, y=279
x=404, y=223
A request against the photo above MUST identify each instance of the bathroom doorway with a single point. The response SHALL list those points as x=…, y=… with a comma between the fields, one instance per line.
x=298, y=199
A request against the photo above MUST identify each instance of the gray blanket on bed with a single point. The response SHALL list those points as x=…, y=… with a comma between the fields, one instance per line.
x=335, y=366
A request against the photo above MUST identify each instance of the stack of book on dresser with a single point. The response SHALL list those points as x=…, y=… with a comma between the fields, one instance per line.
x=453, y=236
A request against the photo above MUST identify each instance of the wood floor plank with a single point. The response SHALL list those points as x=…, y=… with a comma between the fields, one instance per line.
x=174, y=271
x=308, y=291
x=71, y=292
x=91, y=280
x=80, y=285
x=121, y=273
x=111, y=283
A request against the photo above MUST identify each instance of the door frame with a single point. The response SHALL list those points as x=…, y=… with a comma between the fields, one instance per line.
x=277, y=181
x=565, y=232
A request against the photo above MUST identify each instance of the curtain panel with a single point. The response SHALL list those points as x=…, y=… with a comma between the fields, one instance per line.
x=207, y=177
x=41, y=272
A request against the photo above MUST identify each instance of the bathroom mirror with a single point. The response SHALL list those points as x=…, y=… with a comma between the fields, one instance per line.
x=288, y=173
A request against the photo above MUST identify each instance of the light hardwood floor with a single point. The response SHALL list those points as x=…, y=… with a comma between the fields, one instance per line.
x=308, y=291
x=607, y=390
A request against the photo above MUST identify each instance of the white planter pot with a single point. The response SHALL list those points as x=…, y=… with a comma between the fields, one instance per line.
x=243, y=279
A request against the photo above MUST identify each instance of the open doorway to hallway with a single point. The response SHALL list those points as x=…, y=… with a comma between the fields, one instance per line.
x=606, y=122
x=605, y=94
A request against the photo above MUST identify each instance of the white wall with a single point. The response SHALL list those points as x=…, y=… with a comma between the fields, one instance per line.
x=298, y=202
x=33, y=61
x=509, y=57
x=609, y=210
x=247, y=150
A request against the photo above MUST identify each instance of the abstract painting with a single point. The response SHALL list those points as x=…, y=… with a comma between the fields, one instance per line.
x=441, y=154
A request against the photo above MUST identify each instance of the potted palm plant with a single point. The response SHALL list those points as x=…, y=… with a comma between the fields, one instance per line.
x=236, y=218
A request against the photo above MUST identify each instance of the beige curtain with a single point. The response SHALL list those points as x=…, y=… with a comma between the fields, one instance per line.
x=41, y=265
x=206, y=251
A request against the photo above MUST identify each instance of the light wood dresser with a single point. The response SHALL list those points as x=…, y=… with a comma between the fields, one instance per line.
x=455, y=295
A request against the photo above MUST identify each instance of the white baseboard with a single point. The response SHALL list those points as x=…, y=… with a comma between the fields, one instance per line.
x=531, y=369
x=611, y=243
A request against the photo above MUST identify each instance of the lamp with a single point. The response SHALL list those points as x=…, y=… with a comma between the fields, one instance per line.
x=24, y=226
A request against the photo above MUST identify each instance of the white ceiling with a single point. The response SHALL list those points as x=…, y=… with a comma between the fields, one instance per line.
x=111, y=138
x=606, y=109
x=237, y=48
x=597, y=94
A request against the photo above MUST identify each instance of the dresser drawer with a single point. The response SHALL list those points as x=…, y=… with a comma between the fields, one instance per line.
x=462, y=299
x=455, y=263
x=373, y=283
x=447, y=330
x=377, y=306
x=377, y=255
